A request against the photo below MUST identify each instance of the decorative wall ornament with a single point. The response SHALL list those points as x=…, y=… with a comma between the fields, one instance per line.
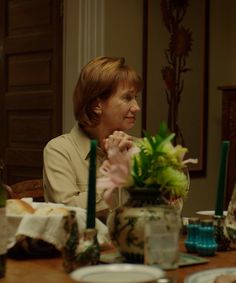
x=180, y=43
x=193, y=105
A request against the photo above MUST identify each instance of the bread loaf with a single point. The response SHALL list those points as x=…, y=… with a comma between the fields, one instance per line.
x=50, y=210
x=18, y=207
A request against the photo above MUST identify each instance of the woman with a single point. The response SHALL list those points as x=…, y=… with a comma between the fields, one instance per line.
x=105, y=106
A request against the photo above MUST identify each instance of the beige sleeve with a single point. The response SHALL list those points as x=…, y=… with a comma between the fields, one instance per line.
x=60, y=181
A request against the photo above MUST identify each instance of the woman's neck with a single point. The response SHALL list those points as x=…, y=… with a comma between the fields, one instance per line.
x=97, y=133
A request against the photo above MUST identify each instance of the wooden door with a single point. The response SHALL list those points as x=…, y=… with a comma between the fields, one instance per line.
x=30, y=83
x=228, y=132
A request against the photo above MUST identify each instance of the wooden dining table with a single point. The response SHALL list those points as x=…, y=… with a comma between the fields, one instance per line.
x=51, y=270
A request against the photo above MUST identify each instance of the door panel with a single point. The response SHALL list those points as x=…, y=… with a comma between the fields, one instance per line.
x=30, y=83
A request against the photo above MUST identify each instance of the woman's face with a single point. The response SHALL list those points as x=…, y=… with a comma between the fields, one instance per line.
x=118, y=112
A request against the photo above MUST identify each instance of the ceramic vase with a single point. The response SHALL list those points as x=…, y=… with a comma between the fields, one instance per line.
x=126, y=223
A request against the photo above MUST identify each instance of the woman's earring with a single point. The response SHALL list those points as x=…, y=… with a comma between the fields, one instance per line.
x=98, y=110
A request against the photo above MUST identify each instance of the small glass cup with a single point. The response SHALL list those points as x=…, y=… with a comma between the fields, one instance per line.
x=161, y=243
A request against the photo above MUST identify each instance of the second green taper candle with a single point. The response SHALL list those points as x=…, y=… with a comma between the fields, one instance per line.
x=222, y=178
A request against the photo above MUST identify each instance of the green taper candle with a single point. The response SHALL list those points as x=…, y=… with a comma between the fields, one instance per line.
x=219, y=209
x=91, y=202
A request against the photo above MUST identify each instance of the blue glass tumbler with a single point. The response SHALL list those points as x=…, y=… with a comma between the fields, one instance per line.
x=192, y=235
x=206, y=245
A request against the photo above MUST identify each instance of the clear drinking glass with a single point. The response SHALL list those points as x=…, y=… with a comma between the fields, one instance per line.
x=162, y=242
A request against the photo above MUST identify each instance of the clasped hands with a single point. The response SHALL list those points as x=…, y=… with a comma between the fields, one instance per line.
x=120, y=140
x=118, y=146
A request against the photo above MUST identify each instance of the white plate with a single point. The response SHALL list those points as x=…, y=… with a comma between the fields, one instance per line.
x=117, y=273
x=208, y=213
x=208, y=276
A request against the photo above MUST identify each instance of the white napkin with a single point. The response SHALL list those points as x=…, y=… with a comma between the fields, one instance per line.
x=50, y=228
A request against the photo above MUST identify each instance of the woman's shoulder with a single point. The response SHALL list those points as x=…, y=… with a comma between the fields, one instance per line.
x=61, y=142
x=70, y=143
x=64, y=138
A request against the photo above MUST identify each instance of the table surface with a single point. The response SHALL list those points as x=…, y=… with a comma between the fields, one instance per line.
x=51, y=270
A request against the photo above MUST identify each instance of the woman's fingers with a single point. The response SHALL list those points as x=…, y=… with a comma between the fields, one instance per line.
x=125, y=145
x=120, y=139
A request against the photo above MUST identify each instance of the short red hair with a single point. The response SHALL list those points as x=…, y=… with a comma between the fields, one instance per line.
x=100, y=79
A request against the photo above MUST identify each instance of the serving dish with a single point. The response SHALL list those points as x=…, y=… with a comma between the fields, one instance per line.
x=208, y=213
x=208, y=276
x=117, y=273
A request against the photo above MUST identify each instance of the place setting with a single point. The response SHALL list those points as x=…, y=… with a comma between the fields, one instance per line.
x=139, y=257
x=216, y=275
x=163, y=256
x=222, y=238
x=85, y=264
x=88, y=253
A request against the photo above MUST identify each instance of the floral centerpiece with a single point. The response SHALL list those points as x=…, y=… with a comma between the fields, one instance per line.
x=153, y=172
x=154, y=163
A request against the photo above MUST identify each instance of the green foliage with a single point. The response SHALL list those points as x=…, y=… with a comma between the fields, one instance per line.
x=160, y=165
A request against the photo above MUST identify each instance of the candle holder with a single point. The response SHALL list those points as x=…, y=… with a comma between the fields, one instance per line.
x=71, y=241
x=222, y=241
x=88, y=249
x=79, y=251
